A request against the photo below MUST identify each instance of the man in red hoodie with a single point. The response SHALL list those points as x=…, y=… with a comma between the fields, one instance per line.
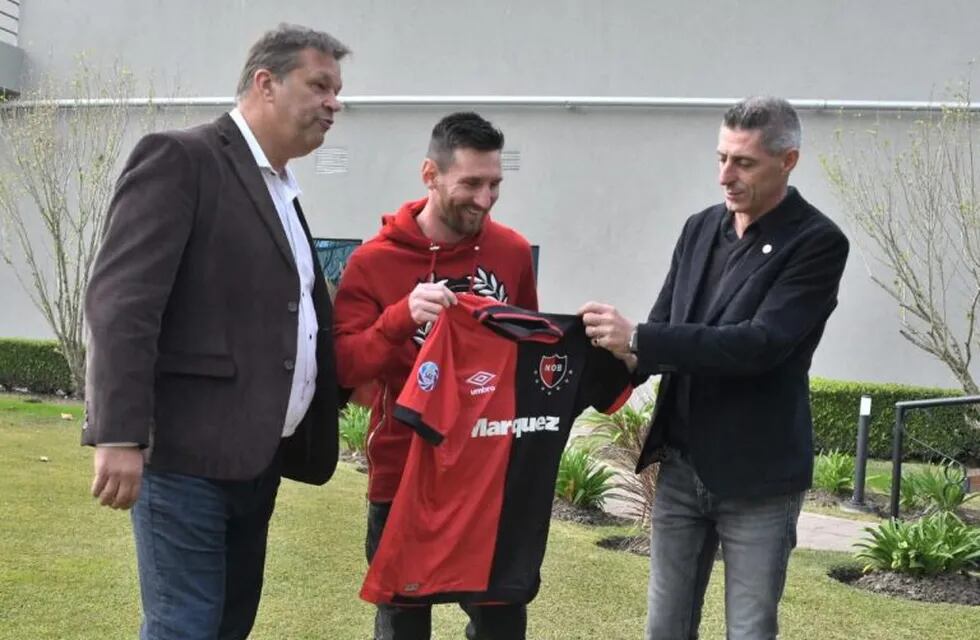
x=394, y=287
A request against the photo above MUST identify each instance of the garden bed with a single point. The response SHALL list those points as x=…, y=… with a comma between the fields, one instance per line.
x=568, y=512
x=878, y=505
x=638, y=544
x=357, y=459
x=952, y=588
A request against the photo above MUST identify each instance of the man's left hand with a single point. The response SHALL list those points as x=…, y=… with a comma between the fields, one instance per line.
x=607, y=327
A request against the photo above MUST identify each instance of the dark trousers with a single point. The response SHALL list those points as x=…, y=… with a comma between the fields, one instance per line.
x=200, y=550
x=689, y=522
x=487, y=622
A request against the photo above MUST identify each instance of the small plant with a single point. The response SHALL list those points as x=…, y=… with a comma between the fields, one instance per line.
x=939, y=488
x=353, y=427
x=908, y=498
x=833, y=471
x=938, y=543
x=581, y=480
x=619, y=438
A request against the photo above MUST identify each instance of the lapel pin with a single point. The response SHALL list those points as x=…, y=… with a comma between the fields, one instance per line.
x=767, y=248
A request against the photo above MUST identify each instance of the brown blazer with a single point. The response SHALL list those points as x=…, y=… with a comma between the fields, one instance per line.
x=192, y=307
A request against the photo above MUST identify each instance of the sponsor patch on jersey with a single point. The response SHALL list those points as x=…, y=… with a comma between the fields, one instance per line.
x=428, y=375
x=518, y=426
x=481, y=383
x=553, y=372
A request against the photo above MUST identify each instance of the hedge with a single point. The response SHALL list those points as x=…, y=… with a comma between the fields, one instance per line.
x=835, y=416
x=39, y=366
x=36, y=365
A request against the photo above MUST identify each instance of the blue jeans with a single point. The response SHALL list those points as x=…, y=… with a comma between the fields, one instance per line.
x=200, y=551
x=689, y=522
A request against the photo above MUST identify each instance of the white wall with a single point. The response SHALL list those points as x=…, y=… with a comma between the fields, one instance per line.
x=603, y=191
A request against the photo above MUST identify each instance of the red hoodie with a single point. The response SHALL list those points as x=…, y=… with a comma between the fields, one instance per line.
x=377, y=340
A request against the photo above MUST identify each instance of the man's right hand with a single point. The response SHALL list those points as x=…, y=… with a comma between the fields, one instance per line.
x=428, y=299
x=118, y=473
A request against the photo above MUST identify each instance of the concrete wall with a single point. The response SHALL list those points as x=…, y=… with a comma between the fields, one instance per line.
x=603, y=191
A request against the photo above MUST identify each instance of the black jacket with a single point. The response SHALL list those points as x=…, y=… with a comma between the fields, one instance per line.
x=750, y=430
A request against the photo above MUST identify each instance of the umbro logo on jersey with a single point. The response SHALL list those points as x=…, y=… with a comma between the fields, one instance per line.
x=481, y=383
x=553, y=373
x=518, y=426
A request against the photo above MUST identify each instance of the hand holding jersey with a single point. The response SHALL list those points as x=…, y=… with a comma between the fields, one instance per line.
x=608, y=329
x=428, y=299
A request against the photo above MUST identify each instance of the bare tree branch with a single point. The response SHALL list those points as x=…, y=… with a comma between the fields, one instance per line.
x=915, y=200
x=56, y=179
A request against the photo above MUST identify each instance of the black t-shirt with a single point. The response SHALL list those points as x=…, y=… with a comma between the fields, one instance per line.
x=726, y=251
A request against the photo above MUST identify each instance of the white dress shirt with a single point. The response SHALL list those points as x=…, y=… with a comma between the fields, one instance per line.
x=283, y=189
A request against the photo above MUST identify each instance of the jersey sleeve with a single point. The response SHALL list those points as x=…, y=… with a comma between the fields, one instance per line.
x=429, y=401
x=606, y=382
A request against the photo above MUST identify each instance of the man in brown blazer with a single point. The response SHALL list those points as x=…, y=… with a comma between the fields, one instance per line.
x=211, y=365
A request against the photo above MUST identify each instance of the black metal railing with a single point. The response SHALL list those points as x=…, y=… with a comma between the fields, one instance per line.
x=898, y=433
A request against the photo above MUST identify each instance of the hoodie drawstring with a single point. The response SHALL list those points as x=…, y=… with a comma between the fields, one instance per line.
x=433, y=250
x=476, y=255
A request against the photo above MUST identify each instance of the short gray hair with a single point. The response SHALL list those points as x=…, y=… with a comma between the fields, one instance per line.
x=278, y=51
x=775, y=117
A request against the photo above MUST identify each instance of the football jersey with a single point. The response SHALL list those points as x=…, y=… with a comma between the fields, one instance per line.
x=492, y=398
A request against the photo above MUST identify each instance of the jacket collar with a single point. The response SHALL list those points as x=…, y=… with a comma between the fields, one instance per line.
x=773, y=231
x=237, y=150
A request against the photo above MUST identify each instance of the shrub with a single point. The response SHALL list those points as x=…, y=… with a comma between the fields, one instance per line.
x=833, y=471
x=835, y=414
x=909, y=498
x=938, y=488
x=581, y=480
x=37, y=365
x=619, y=438
x=353, y=427
x=938, y=543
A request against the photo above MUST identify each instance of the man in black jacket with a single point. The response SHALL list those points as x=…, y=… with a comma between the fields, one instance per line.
x=750, y=287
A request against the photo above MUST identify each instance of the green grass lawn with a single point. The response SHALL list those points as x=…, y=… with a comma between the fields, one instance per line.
x=67, y=568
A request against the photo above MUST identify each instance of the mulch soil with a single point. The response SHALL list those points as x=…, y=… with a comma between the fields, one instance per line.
x=567, y=512
x=357, y=459
x=953, y=588
x=639, y=545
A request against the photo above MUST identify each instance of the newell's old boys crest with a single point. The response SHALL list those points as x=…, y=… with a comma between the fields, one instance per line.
x=552, y=371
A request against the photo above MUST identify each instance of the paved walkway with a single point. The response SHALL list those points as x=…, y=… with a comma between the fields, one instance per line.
x=817, y=531
x=814, y=530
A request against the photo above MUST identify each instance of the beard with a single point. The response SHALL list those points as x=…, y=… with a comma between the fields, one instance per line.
x=464, y=219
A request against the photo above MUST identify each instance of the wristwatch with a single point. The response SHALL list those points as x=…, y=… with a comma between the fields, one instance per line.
x=635, y=340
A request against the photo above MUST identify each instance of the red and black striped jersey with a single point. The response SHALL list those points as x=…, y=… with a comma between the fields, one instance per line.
x=492, y=397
